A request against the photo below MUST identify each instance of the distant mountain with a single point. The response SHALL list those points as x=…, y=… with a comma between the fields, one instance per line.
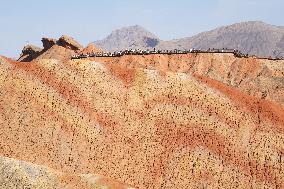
x=256, y=38
x=253, y=37
x=129, y=37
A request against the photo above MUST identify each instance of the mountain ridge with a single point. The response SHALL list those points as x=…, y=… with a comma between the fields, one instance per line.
x=252, y=37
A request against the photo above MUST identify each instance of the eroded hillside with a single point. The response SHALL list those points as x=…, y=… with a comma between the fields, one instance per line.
x=167, y=122
x=261, y=78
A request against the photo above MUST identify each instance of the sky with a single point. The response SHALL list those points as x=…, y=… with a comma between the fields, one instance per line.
x=27, y=21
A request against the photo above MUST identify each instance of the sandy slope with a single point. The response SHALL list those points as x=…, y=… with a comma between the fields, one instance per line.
x=20, y=174
x=166, y=126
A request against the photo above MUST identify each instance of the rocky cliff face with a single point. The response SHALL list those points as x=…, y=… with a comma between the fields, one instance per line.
x=153, y=122
x=47, y=43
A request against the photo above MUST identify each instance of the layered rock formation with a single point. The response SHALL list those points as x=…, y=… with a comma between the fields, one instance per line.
x=29, y=53
x=261, y=78
x=47, y=43
x=61, y=49
x=70, y=43
x=179, y=121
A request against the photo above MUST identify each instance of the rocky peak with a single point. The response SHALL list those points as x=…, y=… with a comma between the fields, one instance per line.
x=69, y=42
x=29, y=53
x=135, y=37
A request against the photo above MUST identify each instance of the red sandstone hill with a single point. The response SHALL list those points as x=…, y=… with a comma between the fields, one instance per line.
x=179, y=121
x=261, y=78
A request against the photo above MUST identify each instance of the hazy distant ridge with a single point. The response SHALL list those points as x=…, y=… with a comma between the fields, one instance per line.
x=254, y=37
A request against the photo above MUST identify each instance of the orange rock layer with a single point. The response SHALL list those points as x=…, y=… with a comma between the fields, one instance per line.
x=182, y=121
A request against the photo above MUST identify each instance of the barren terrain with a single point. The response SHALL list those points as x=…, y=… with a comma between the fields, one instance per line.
x=158, y=121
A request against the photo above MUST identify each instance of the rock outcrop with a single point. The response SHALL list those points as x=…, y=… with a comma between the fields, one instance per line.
x=61, y=49
x=29, y=53
x=168, y=122
x=69, y=42
x=48, y=42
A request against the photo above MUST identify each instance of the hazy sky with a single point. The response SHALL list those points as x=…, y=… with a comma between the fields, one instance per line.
x=89, y=20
